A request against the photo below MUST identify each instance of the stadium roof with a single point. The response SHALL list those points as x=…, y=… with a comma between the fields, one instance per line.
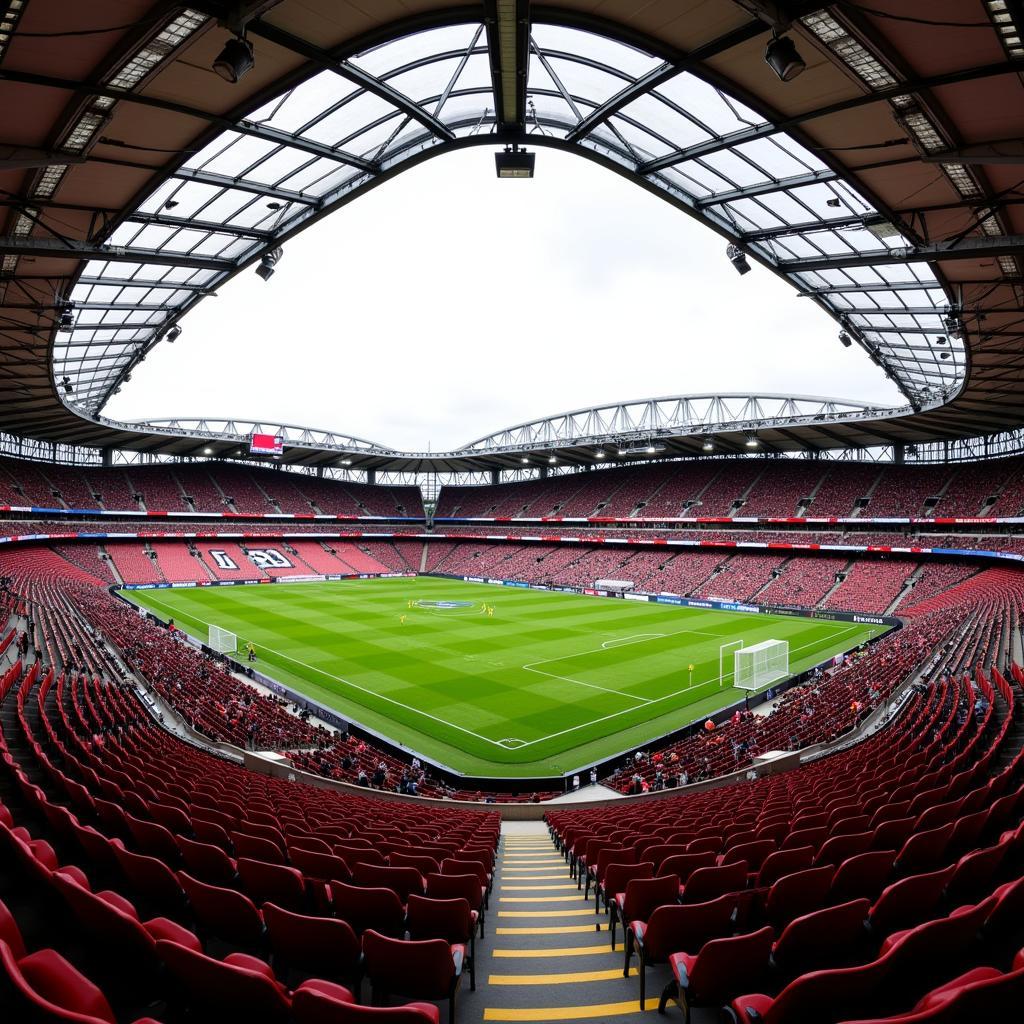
x=883, y=182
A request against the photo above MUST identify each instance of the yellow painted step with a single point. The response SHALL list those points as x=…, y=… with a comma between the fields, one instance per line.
x=561, y=929
x=538, y=899
x=547, y=913
x=565, y=951
x=570, y=978
x=599, y=1012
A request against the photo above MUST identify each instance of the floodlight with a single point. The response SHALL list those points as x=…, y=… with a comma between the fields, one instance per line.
x=845, y=339
x=207, y=451
x=235, y=61
x=346, y=462
x=782, y=57
x=524, y=460
x=738, y=259
x=174, y=334
x=751, y=441
x=599, y=454
x=514, y=163
x=552, y=460
x=267, y=263
x=708, y=445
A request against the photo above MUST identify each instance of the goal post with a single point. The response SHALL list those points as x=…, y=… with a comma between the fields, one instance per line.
x=726, y=666
x=761, y=664
x=221, y=640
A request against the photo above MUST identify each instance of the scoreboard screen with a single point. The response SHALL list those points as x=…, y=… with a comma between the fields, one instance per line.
x=265, y=444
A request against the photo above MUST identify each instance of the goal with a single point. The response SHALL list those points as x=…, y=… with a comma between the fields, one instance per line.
x=223, y=641
x=760, y=664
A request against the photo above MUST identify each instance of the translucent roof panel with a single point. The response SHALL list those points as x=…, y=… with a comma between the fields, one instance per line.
x=321, y=141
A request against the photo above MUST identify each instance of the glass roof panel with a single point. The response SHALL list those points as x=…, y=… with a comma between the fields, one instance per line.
x=632, y=62
x=362, y=110
x=304, y=103
x=585, y=82
x=775, y=159
x=705, y=176
x=382, y=59
x=709, y=105
x=332, y=111
x=277, y=167
x=735, y=169
x=476, y=74
x=641, y=140
x=241, y=152
x=671, y=123
x=459, y=107
x=538, y=75
x=427, y=80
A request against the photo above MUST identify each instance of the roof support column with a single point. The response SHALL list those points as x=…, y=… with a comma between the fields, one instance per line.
x=495, y=477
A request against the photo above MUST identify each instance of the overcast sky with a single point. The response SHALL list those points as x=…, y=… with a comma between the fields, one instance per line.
x=447, y=304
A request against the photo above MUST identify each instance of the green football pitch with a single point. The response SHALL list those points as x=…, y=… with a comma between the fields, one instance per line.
x=548, y=683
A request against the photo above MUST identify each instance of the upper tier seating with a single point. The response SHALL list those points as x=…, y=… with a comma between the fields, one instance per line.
x=133, y=563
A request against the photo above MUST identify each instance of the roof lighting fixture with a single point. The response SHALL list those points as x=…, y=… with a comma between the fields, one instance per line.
x=157, y=49
x=346, y=462
x=207, y=451
x=267, y=263
x=599, y=454
x=846, y=340
x=708, y=445
x=514, y=163
x=782, y=57
x=174, y=334
x=552, y=460
x=850, y=51
x=940, y=340
x=738, y=258
x=751, y=441
x=236, y=60
x=524, y=460
x=65, y=383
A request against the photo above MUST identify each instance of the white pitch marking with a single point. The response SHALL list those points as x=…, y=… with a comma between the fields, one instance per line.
x=540, y=739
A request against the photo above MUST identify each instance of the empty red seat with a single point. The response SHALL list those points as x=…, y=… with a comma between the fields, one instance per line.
x=905, y=903
x=322, y=946
x=363, y=908
x=310, y=1006
x=863, y=876
x=222, y=911
x=830, y=937
x=673, y=927
x=639, y=899
x=402, y=880
x=272, y=883
x=720, y=970
x=426, y=969
x=710, y=883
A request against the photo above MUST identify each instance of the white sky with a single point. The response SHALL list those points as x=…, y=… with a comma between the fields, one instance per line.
x=446, y=304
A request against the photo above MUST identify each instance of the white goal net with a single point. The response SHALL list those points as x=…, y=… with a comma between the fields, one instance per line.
x=223, y=641
x=760, y=664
